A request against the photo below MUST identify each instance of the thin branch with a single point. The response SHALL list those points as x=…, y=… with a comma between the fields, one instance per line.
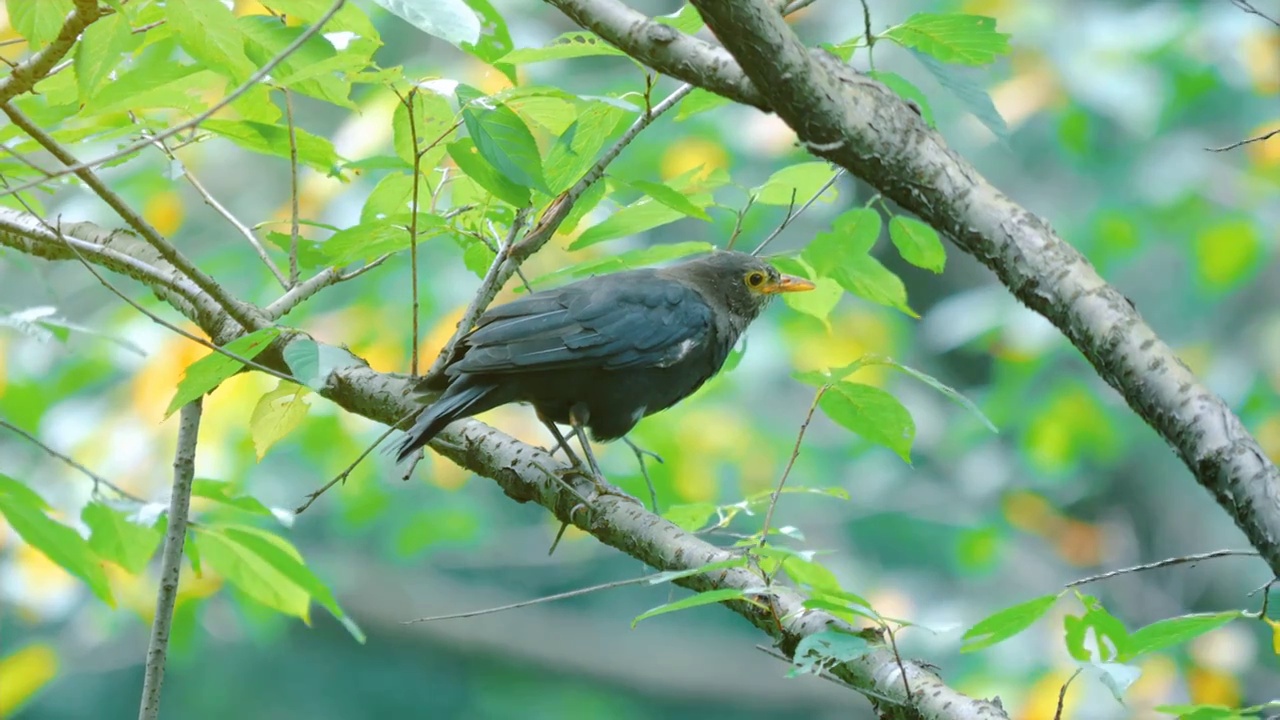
x=413, y=230
x=234, y=95
x=792, y=216
x=1261, y=138
x=293, y=190
x=342, y=476
x=795, y=453
x=238, y=311
x=1164, y=563
x=32, y=70
x=742, y=216
x=535, y=601
x=1062, y=694
x=98, y=480
x=184, y=461
x=1250, y=9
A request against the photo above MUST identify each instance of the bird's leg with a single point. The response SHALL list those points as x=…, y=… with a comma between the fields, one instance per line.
x=561, y=443
x=578, y=416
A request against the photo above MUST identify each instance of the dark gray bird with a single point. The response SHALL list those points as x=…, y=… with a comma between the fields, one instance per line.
x=604, y=352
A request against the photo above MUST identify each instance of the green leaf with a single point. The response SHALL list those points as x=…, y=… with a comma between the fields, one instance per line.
x=473, y=165
x=799, y=181
x=918, y=243
x=284, y=558
x=449, y=20
x=209, y=371
x=223, y=494
x=1171, y=632
x=672, y=575
x=504, y=141
x=699, y=101
x=495, y=38
x=690, y=517
x=970, y=94
x=39, y=21
x=254, y=575
x=1205, y=712
x=114, y=537
x=277, y=414
x=367, y=241
x=311, y=362
x=672, y=198
x=818, y=302
x=1227, y=253
x=24, y=510
x=207, y=30
x=1005, y=624
x=1095, y=636
x=872, y=413
x=807, y=572
x=99, y=52
x=852, y=235
x=949, y=392
x=269, y=139
x=433, y=121
x=575, y=150
x=623, y=261
x=147, y=85
x=568, y=45
x=314, y=69
x=709, y=597
x=952, y=37
x=821, y=651
x=646, y=213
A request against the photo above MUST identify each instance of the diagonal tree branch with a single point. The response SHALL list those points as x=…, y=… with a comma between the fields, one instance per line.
x=32, y=70
x=861, y=125
x=523, y=472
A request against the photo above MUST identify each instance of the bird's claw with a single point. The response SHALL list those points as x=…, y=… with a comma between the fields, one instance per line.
x=600, y=486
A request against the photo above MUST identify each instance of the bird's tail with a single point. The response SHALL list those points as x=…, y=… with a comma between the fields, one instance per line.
x=451, y=406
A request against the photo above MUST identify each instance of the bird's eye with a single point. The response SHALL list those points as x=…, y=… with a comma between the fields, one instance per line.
x=755, y=278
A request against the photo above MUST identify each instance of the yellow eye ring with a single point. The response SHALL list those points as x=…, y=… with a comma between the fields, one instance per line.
x=755, y=278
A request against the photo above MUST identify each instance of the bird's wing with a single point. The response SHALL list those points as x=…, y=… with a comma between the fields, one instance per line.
x=603, y=323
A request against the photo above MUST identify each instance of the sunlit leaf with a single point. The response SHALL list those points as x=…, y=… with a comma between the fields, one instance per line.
x=952, y=37
x=1172, y=632
x=672, y=198
x=115, y=537
x=872, y=413
x=99, y=52
x=798, y=181
x=568, y=45
x=277, y=414
x=209, y=371
x=25, y=512
x=1005, y=624
x=207, y=30
x=313, y=150
x=918, y=243
x=709, y=597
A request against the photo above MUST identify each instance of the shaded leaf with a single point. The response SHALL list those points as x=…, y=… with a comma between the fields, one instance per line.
x=449, y=20
x=504, y=141
x=475, y=166
x=820, y=651
x=970, y=94
x=312, y=362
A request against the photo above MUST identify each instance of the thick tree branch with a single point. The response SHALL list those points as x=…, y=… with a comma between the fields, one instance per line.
x=32, y=70
x=857, y=123
x=524, y=474
x=184, y=463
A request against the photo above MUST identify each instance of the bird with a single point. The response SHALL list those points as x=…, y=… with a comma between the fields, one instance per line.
x=601, y=353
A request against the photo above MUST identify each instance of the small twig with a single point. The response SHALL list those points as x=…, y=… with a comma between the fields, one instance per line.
x=98, y=480
x=1062, y=694
x=1164, y=563
x=1234, y=145
x=413, y=229
x=161, y=321
x=342, y=476
x=897, y=657
x=871, y=37
x=493, y=278
x=795, y=453
x=737, y=223
x=1250, y=9
x=184, y=460
x=217, y=107
x=644, y=469
x=792, y=216
x=236, y=310
x=293, y=190
x=536, y=601
x=227, y=215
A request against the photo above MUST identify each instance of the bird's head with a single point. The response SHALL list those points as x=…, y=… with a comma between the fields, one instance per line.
x=743, y=283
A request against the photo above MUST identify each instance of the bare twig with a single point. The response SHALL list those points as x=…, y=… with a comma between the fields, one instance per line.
x=737, y=223
x=30, y=71
x=413, y=229
x=98, y=480
x=535, y=601
x=1250, y=9
x=1062, y=694
x=234, y=95
x=644, y=468
x=342, y=476
x=293, y=189
x=1164, y=563
x=1261, y=138
x=795, y=453
x=792, y=216
x=238, y=311
x=184, y=461
x=897, y=657
x=871, y=37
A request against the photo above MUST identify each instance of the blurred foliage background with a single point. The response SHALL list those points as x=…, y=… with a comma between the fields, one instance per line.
x=1110, y=107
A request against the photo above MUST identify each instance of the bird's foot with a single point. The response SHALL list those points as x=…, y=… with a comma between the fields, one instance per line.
x=600, y=486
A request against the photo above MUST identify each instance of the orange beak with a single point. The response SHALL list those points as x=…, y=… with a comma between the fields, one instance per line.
x=787, y=283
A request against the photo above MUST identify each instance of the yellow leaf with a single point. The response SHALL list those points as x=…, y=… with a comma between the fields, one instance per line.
x=277, y=414
x=24, y=673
